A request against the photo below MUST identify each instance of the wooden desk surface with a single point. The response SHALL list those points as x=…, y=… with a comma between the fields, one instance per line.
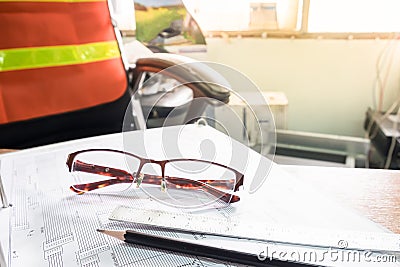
x=374, y=193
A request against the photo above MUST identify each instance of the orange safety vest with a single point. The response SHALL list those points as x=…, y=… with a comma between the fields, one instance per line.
x=57, y=56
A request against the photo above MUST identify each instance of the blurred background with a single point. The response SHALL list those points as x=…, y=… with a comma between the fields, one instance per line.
x=329, y=69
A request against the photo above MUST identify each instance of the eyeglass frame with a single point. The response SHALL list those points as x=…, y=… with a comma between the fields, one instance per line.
x=226, y=197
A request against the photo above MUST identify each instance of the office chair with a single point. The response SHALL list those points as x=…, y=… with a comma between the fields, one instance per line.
x=63, y=74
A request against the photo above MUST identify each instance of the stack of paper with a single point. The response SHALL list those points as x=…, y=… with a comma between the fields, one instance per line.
x=50, y=225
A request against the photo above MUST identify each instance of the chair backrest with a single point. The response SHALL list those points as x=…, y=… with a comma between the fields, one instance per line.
x=59, y=59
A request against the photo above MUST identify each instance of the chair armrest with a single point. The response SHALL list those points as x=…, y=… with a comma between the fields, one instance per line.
x=200, y=77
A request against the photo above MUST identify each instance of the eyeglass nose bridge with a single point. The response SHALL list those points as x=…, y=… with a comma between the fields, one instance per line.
x=140, y=175
x=139, y=179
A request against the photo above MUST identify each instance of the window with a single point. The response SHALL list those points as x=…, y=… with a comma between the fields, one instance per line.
x=245, y=15
x=285, y=18
x=354, y=16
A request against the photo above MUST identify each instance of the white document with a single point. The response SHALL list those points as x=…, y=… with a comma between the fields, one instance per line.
x=49, y=225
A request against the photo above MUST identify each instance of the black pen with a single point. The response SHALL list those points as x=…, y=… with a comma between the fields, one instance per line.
x=191, y=248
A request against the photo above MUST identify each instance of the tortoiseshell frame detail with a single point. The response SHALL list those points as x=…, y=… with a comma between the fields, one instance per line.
x=121, y=176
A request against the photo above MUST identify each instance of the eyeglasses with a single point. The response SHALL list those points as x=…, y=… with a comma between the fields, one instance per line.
x=183, y=182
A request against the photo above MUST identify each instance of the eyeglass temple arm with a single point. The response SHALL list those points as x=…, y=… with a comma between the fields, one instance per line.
x=183, y=183
x=101, y=170
x=228, y=198
x=122, y=176
x=82, y=188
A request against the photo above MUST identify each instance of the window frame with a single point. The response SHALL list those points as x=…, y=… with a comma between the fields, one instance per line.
x=302, y=33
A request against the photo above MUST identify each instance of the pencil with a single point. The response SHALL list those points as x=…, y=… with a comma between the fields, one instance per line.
x=191, y=248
